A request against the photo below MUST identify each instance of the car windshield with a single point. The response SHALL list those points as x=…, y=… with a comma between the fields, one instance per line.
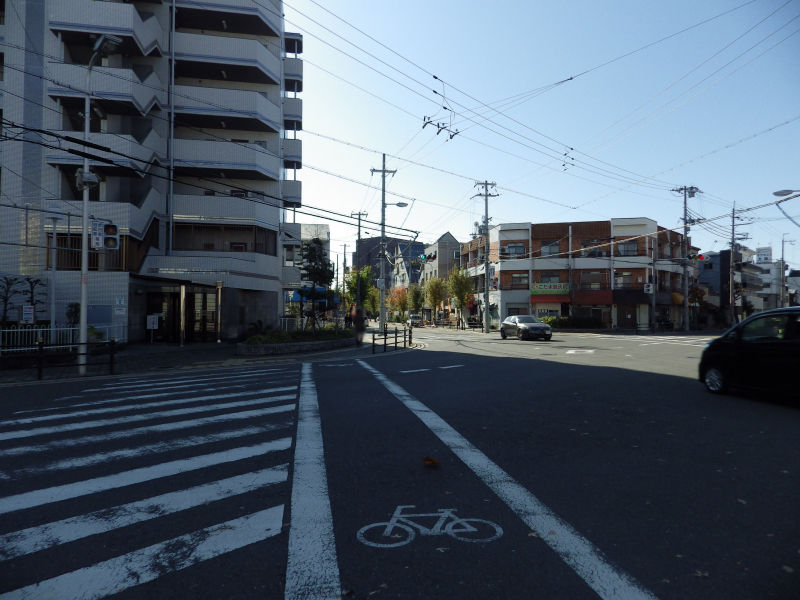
x=528, y=320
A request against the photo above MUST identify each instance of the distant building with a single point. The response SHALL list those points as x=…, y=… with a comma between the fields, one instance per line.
x=441, y=257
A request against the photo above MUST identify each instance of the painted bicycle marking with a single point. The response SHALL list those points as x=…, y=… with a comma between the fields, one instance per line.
x=402, y=528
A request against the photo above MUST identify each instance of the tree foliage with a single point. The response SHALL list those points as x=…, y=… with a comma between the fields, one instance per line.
x=317, y=270
x=435, y=292
x=357, y=284
x=372, y=301
x=461, y=287
x=398, y=300
x=416, y=297
x=8, y=289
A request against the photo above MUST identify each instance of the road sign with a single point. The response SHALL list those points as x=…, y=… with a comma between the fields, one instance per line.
x=96, y=234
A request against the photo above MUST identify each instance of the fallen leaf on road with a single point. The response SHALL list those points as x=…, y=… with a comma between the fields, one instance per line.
x=430, y=462
x=700, y=573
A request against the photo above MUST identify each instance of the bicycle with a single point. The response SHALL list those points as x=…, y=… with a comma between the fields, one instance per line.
x=401, y=529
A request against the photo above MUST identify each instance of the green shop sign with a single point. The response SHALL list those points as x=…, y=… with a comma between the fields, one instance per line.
x=550, y=288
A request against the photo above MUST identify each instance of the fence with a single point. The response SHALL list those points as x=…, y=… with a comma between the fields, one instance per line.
x=385, y=335
x=26, y=339
x=61, y=360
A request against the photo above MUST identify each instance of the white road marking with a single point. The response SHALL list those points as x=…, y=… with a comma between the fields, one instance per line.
x=138, y=451
x=100, y=484
x=38, y=538
x=579, y=553
x=160, y=428
x=178, y=381
x=414, y=371
x=580, y=351
x=21, y=433
x=135, y=568
x=135, y=406
x=451, y=367
x=312, y=568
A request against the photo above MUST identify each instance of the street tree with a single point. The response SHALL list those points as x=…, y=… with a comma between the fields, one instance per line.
x=436, y=293
x=317, y=270
x=461, y=287
x=357, y=284
x=398, y=300
x=8, y=290
x=34, y=294
x=416, y=297
x=372, y=301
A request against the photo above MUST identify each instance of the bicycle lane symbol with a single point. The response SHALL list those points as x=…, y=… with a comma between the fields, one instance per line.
x=401, y=529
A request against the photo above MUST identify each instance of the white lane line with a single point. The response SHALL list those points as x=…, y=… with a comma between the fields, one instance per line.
x=108, y=482
x=579, y=553
x=160, y=428
x=451, y=367
x=41, y=537
x=22, y=433
x=135, y=568
x=312, y=568
x=138, y=451
x=414, y=371
x=580, y=351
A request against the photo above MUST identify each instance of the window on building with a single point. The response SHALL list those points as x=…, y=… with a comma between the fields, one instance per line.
x=629, y=248
x=512, y=250
x=623, y=279
x=594, y=248
x=519, y=281
x=2, y=66
x=708, y=266
x=593, y=280
x=238, y=247
x=550, y=248
x=550, y=277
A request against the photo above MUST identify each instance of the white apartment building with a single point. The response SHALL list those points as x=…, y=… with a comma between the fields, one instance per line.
x=192, y=138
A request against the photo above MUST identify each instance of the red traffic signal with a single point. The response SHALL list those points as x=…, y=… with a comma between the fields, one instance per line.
x=110, y=236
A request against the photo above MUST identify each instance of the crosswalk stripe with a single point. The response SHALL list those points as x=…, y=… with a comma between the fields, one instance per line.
x=136, y=452
x=159, y=404
x=100, y=484
x=56, y=533
x=141, y=566
x=22, y=433
x=159, y=428
x=193, y=380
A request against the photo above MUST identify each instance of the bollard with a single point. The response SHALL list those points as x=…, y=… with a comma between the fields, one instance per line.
x=373, y=342
x=40, y=357
x=112, y=347
x=410, y=335
x=385, y=337
x=395, y=338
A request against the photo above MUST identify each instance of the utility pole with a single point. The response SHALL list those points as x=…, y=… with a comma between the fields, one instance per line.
x=486, y=195
x=383, y=173
x=783, y=268
x=357, y=262
x=344, y=265
x=687, y=192
x=734, y=239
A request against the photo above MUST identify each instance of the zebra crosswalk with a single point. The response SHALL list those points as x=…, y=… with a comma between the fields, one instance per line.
x=124, y=483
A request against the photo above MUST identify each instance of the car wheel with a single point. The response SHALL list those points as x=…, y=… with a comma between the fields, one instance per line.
x=503, y=334
x=547, y=338
x=714, y=380
x=519, y=334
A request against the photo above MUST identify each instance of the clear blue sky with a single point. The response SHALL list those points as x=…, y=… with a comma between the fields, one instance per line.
x=662, y=95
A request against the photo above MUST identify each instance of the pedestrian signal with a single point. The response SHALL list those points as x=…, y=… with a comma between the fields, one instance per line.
x=110, y=236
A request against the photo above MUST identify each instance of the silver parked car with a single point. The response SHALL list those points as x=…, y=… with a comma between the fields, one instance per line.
x=524, y=327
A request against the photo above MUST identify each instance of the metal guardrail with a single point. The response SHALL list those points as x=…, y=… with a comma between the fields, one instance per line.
x=26, y=339
x=100, y=358
x=385, y=335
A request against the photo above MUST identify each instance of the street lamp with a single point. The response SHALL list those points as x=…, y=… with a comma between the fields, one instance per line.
x=384, y=204
x=781, y=193
x=104, y=45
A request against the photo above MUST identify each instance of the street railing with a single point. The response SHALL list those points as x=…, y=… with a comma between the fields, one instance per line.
x=386, y=336
x=26, y=339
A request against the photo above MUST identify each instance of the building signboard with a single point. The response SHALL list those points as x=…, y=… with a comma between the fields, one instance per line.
x=550, y=288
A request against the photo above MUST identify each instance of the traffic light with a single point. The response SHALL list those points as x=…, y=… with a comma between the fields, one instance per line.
x=110, y=236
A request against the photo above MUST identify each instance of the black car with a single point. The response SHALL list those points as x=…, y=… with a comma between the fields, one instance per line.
x=760, y=353
x=525, y=326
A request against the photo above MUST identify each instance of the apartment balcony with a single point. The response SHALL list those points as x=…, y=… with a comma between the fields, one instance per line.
x=224, y=58
x=250, y=17
x=204, y=158
x=224, y=210
x=125, y=152
x=218, y=108
x=292, y=153
x=293, y=74
x=80, y=22
x=293, y=42
x=115, y=91
x=292, y=114
x=292, y=193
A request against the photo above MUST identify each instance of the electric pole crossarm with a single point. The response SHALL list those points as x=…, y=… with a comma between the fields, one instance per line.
x=486, y=195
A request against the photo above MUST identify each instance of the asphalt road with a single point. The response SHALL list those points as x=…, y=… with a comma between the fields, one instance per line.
x=589, y=466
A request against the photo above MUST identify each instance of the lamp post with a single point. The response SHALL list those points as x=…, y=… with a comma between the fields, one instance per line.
x=104, y=45
x=53, y=258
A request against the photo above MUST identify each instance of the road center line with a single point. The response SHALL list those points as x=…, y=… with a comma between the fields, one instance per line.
x=312, y=568
x=579, y=553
